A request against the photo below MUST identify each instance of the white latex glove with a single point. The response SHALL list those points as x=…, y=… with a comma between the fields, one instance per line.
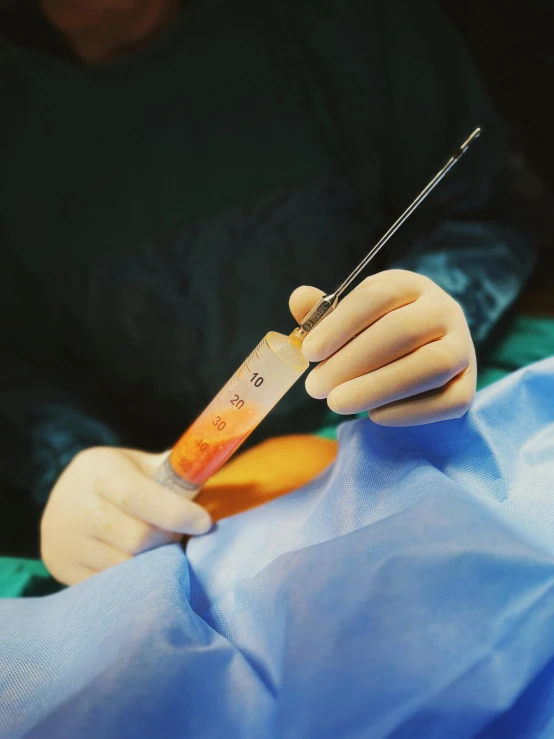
x=397, y=346
x=105, y=508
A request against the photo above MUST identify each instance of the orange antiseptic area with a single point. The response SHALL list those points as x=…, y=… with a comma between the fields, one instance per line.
x=267, y=471
x=209, y=443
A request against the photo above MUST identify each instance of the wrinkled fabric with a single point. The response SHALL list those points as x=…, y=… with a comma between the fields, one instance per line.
x=406, y=592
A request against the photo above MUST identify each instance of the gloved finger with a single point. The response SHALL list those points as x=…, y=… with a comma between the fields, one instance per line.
x=374, y=298
x=450, y=401
x=125, y=532
x=139, y=496
x=392, y=337
x=98, y=556
x=428, y=368
x=72, y=574
x=66, y=570
x=146, y=462
x=81, y=573
x=302, y=300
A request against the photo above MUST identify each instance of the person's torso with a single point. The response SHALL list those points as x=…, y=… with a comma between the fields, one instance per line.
x=165, y=208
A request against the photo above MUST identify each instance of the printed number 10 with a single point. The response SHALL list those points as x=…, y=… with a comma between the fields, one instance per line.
x=257, y=379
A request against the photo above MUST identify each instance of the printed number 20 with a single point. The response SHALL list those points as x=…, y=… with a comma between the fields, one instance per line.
x=237, y=402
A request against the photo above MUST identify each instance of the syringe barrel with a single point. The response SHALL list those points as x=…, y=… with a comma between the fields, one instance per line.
x=166, y=475
x=257, y=386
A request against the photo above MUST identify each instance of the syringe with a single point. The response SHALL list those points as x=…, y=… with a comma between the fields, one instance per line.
x=261, y=381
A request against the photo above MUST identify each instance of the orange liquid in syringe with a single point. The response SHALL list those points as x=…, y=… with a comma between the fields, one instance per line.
x=208, y=444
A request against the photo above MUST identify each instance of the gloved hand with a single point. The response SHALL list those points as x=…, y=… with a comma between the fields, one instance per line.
x=397, y=346
x=105, y=508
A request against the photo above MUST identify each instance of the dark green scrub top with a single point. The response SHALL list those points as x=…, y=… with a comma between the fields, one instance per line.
x=156, y=212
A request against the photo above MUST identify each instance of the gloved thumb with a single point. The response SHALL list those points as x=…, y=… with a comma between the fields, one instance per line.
x=302, y=299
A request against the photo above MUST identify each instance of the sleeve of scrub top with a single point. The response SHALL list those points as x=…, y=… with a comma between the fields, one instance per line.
x=51, y=408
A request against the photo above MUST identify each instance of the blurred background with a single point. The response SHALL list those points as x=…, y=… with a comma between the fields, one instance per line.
x=512, y=44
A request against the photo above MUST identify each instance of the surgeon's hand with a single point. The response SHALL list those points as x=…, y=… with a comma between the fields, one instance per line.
x=397, y=346
x=105, y=508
